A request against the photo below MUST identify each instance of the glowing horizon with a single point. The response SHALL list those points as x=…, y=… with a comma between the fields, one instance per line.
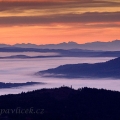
x=52, y=22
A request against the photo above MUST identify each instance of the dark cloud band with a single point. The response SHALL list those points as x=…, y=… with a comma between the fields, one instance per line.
x=67, y=18
x=41, y=4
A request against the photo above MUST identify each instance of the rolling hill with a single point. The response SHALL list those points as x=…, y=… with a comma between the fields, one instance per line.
x=98, y=70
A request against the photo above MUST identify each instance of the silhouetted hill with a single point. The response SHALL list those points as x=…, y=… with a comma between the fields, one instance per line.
x=25, y=56
x=97, y=45
x=65, y=53
x=10, y=85
x=107, y=69
x=61, y=104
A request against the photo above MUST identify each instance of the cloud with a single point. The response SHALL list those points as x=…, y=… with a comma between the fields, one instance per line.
x=47, y=4
x=46, y=12
x=84, y=18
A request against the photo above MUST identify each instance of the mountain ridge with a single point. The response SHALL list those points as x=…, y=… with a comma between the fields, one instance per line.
x=97, y=45
x=62, y=103
x=109, y=69
x=26, y=57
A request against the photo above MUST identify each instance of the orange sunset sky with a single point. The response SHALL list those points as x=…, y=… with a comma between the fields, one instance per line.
x=50, y=21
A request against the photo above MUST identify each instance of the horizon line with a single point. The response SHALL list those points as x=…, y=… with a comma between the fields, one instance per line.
x=60, y=43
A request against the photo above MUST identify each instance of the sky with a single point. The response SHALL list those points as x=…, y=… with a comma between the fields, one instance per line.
x=52, y=21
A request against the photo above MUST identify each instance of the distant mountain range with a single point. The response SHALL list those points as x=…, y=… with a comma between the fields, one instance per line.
x=109, y=69
x=105, y=46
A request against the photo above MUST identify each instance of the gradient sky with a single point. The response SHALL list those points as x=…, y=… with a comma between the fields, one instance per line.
x=50, y=21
